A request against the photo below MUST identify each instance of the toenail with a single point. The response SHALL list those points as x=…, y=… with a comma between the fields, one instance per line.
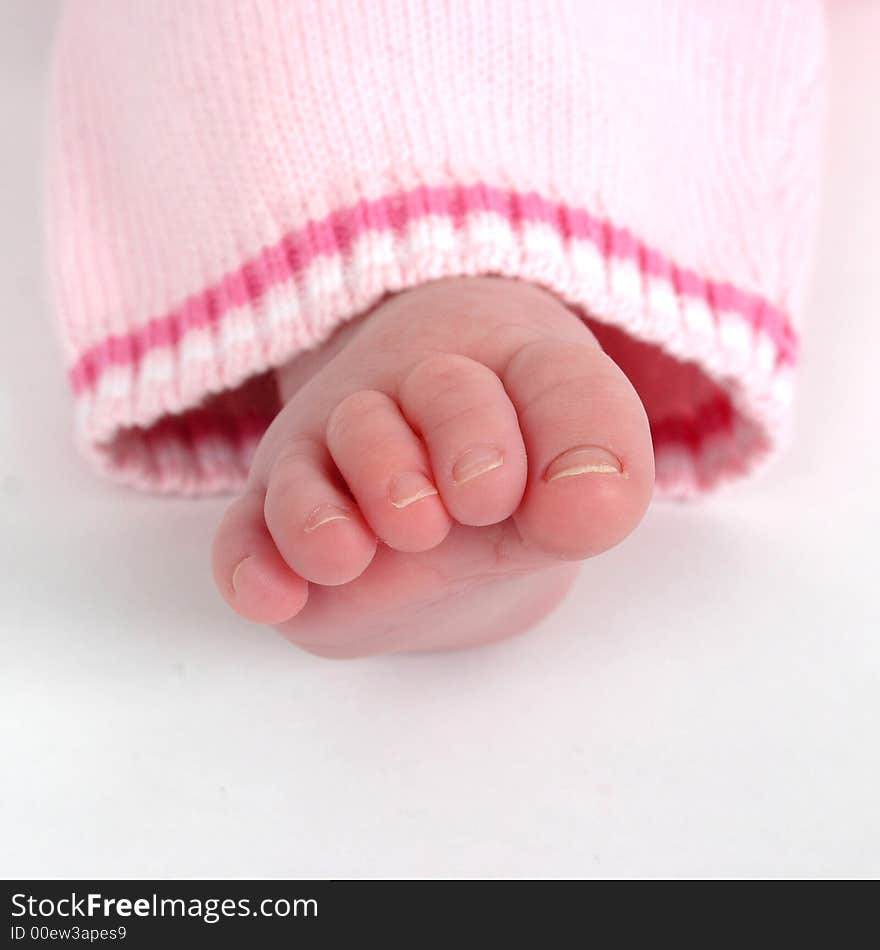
x=324, y=514
x=238, y=567
x=583, y=460
x=408, y=488
x=476, y=461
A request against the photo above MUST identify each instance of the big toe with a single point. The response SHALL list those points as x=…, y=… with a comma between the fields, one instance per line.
x=590, y=457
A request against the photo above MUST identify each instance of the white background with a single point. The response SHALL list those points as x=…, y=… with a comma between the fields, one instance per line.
x=706, y=703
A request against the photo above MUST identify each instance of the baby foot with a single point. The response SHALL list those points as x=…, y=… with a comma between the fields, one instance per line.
x=435, y=470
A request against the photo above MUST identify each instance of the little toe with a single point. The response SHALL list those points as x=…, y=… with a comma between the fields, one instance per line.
x=317, y=527
x=591, y=462
x=248, y=570
x=469, y=426
x=388, y=471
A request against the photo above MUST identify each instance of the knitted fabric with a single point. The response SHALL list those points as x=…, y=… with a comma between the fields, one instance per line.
x=229, y=180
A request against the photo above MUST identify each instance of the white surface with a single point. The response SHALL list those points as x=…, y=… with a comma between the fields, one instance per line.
x=706, y=704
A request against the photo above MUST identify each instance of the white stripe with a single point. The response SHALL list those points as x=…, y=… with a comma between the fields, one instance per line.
x=663, y=305
x=372, y=252
x=157, y=367
x=430, y=234
x=766, y=352
x=737, y=339
x=698, y=319
x=115, y=383
x=627, y=286
x=237, y=329
x=197, y=346
x=541, y=240
x=589, y=268
x=281, y=307
x=324, y=278
x=485, y=229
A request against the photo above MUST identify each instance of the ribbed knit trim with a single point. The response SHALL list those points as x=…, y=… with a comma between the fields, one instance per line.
x=140, y=396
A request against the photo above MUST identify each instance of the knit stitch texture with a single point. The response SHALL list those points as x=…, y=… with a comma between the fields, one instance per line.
x=229, y=180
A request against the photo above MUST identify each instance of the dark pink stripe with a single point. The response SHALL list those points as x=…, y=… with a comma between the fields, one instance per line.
x=710, y=419
x=337, y=233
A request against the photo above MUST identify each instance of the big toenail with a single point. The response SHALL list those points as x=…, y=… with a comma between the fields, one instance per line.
x=235, y=573
x=476, y=461
x=408, y=488
x=324, y=514
x=583, y=460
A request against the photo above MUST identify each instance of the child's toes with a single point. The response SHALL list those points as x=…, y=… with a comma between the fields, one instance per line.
x=249, y=571
x=469, y=426
x=316, y=525
x=388, y=471
x=591, y=462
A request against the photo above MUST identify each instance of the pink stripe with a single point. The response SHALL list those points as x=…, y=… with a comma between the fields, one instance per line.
x=337, y=233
